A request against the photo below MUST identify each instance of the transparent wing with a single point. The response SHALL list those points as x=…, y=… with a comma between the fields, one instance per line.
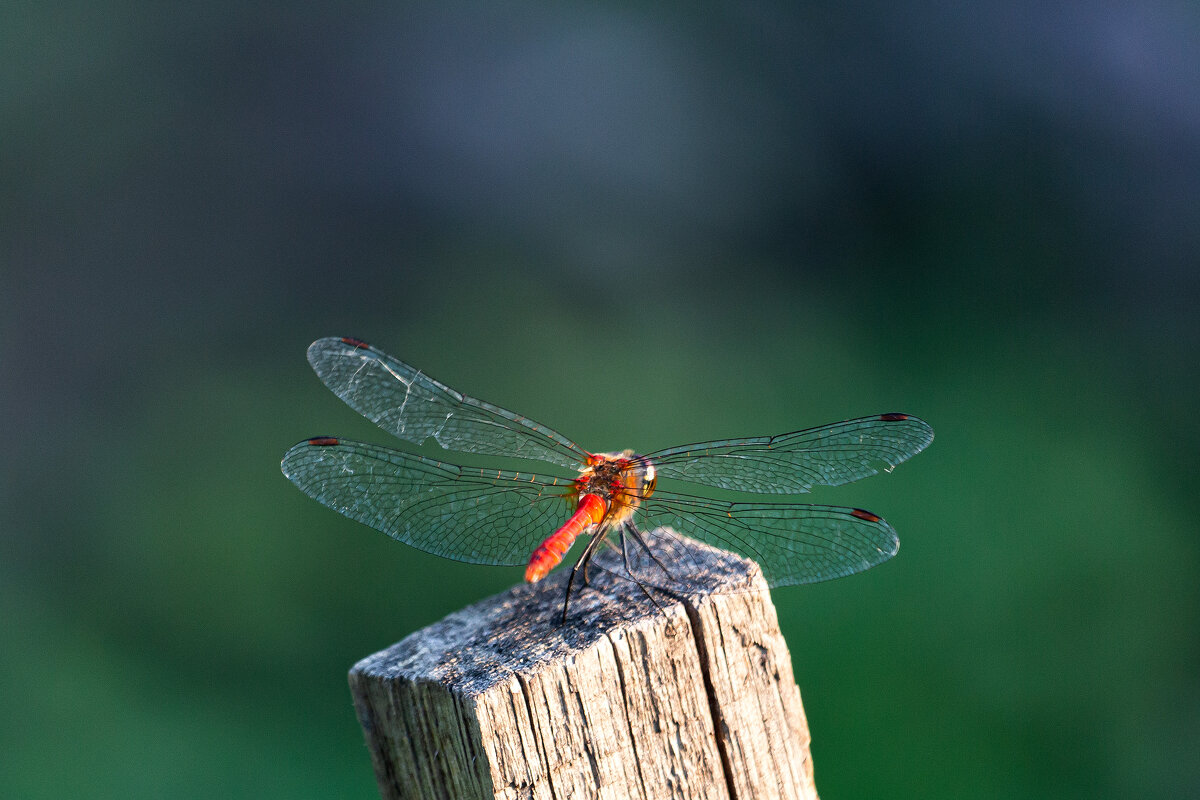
x=466, y=514
x=792, y=463
x=409, y=404
x=792, y=542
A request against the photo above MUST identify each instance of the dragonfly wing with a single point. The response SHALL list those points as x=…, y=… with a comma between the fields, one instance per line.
x=414, y=407
x=465, y=514
x=792, y=463
x=792, y=542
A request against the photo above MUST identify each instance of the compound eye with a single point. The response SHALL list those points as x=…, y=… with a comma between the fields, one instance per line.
x=648, y=487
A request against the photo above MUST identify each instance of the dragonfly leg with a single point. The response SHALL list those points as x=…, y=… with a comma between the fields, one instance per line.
x=640, y=585
x=636, y=534
x=585, y=562
x=625, y=551
x=584, y=559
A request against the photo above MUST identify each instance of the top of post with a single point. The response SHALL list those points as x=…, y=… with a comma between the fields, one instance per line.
x=520, y=631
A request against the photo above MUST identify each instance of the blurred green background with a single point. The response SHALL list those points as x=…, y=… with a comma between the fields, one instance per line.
x=643, y=227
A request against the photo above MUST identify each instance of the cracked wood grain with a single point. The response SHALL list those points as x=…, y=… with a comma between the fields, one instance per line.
x=627, y=700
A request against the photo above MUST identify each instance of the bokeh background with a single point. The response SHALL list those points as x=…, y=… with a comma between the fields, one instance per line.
x=643, y=226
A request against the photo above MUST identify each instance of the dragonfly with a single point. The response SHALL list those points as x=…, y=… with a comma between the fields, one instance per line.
x=482, y=515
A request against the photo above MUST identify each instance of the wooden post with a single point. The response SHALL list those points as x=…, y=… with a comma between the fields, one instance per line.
x=627, y=700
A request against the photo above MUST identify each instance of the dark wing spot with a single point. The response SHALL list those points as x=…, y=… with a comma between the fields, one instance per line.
x=324, y=441
x=893, y=417
x=867, y=515
x=359, y=343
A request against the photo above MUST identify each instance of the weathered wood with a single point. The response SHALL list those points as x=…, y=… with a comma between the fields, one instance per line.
x=626, y=700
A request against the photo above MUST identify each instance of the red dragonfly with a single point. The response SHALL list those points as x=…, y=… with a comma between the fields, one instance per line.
x=500, y=517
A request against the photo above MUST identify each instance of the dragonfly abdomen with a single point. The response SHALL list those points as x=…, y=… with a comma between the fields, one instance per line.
x=549, y=554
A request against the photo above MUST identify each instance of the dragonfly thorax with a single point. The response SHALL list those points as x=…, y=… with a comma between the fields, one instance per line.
x=622, y=480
